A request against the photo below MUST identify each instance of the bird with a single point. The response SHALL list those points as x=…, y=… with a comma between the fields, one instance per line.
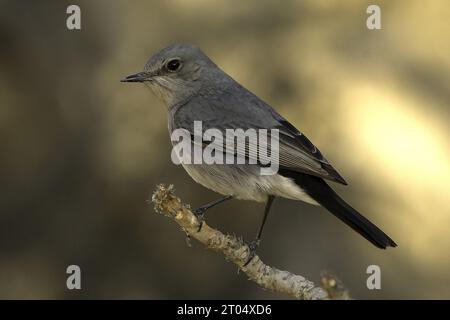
x=194, y=88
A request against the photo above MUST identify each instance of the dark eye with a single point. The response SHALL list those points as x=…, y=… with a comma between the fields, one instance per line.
x=173, y=65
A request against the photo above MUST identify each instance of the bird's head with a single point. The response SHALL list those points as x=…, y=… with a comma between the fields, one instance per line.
x=175, y=73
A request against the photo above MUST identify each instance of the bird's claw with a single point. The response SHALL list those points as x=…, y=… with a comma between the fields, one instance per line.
x=200, y=214
x=252, y=246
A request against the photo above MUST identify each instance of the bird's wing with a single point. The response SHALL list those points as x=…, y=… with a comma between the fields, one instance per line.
x=296, y=151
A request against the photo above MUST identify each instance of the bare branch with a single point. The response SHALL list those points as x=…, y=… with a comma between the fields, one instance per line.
x=236, y=251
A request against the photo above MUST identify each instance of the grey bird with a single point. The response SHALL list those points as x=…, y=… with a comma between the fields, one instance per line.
x=194, y=88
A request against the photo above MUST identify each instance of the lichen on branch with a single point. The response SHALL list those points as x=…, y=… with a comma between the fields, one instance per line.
x=236, y=251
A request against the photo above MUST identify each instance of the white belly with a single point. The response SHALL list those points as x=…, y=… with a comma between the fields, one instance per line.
x=244, y=182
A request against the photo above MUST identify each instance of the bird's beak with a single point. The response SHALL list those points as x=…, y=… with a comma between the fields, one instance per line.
x=137, y=77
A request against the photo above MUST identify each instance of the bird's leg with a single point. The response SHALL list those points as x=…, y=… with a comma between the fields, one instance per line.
x=200, y=211
x=255, y=243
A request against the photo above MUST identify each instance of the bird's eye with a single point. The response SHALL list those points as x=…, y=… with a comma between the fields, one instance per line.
x=173, y=65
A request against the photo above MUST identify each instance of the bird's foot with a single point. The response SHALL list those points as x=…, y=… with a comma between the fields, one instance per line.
x=200, y=214
x=252, y=246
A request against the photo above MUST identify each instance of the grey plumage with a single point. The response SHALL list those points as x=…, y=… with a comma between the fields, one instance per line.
x=199, y=90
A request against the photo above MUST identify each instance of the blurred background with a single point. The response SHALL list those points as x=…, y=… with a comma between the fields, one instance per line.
x=81, y=152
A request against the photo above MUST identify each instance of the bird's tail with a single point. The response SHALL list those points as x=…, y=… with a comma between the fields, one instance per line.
x=321, y=192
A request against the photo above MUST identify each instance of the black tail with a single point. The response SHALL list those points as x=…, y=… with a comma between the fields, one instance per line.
x=320, y=191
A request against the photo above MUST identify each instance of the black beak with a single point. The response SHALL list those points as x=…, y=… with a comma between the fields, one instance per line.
x=137, y=77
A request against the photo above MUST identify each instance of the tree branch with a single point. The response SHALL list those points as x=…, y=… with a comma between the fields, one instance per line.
x=236, y=251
